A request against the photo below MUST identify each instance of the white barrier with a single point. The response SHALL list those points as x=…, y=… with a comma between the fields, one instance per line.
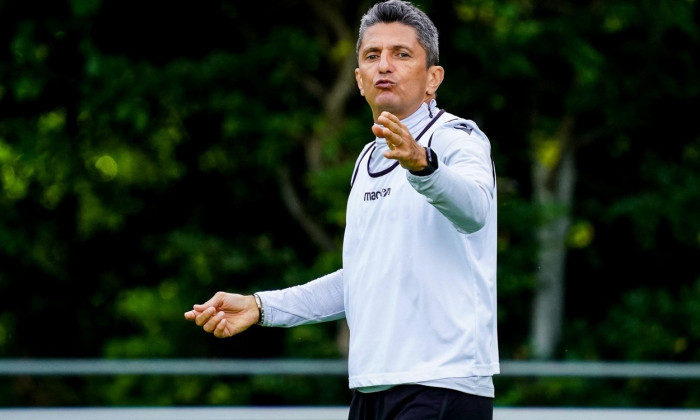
x=88, y=367
x=309, y=367
x=324, y=413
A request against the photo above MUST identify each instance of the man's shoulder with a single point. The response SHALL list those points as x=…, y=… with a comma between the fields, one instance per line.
x=455, y=127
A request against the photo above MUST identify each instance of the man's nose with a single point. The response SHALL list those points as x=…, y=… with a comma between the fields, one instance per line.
x=384, y=63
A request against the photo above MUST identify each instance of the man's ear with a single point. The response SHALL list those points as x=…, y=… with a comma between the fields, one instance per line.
x=436, y=74
x=358, y=78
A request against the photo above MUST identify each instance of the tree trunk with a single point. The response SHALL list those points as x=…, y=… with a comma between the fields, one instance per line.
x=553, y=179
x=333, y=99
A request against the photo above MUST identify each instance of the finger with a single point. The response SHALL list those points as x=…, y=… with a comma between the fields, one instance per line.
x=204, y=317
x=385, y=133
x=392, y=122
x=388, y=116
x=210, y=325
x=378, y=130
x=395, y=132
x=220, y=330
x=382, y=133
x=191, y=315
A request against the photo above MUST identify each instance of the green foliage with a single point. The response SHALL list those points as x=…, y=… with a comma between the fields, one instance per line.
x=673, y=189
x=140, y=158
x=583, y=392
x=660, y=323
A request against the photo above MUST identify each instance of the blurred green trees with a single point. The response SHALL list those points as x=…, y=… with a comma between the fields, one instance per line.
x=154, y=153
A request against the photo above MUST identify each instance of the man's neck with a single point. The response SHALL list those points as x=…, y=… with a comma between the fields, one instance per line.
x=416, y=121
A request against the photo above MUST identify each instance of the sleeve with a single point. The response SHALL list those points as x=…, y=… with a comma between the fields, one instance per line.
x=463, y=186
x=317, y=301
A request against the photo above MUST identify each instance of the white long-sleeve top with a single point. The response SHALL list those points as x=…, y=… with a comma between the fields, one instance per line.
x=418, y=283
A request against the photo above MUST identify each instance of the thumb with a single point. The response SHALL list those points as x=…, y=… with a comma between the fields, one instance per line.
x=215, y=301
x=200, y=307
x=390, y=154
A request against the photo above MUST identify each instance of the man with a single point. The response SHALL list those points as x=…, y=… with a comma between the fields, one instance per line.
x=418, y=282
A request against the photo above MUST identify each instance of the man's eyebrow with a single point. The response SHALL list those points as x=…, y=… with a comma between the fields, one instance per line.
x=401, y=47
x=371, y=48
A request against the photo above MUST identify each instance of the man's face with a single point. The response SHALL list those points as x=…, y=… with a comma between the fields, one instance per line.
x=392, y=73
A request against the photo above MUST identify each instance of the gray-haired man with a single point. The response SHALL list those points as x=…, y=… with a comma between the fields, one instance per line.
x=418, y=282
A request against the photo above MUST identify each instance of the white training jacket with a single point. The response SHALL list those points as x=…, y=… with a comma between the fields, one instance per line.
x=418, y=283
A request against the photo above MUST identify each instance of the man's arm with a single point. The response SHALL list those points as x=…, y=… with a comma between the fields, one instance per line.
x=319, y=300
x=463, y=187
x=228, y=314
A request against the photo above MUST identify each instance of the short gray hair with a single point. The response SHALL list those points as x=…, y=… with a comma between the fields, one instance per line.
x=406, y=13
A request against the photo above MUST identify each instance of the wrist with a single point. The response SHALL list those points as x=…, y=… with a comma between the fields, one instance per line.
x=260, y=308
x=432, y=160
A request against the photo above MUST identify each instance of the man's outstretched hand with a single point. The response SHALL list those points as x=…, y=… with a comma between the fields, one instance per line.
x=225, y=314
x=402, y=146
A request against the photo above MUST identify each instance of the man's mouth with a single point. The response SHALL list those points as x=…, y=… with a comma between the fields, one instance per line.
x=383, y=83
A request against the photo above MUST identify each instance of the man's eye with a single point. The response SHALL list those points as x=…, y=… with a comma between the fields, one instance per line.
x=371, y=56
x=404, y=55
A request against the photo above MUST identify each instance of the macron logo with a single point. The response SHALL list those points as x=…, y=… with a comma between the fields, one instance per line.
x=376, y=195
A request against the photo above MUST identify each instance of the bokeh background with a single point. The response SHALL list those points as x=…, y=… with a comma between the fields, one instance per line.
x=155, y=152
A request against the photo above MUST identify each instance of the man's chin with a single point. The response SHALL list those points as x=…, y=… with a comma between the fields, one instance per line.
x=389, y=106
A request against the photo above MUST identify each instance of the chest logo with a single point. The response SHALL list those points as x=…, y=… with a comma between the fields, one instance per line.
x=376, y=195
